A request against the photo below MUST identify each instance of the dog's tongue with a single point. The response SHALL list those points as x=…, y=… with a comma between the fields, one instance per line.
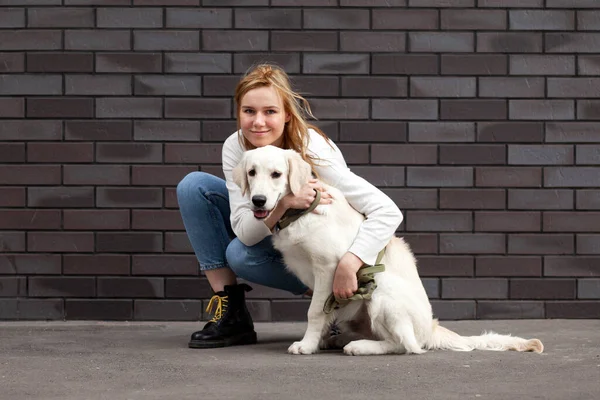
x=261, y=213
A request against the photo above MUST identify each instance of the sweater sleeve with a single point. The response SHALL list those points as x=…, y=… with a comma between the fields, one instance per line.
x=248, y=229
x=383, y=217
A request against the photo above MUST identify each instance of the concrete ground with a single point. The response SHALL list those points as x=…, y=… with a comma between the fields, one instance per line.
x=115, y=360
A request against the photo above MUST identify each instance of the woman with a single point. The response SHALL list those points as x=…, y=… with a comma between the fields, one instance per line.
x=230, y=241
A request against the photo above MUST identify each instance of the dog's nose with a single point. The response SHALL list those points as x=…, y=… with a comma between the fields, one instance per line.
x=259, y=200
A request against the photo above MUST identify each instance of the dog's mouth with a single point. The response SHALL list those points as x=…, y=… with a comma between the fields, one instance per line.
x=261, y=214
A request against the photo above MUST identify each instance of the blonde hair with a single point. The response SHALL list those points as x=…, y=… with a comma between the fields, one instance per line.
x=295, y=131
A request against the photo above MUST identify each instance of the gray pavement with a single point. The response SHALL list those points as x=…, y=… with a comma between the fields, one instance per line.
x=119, y=360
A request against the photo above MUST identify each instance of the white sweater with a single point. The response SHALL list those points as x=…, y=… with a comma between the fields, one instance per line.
x=383, y=216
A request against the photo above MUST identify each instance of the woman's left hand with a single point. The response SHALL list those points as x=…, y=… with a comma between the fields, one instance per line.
x=345, y=282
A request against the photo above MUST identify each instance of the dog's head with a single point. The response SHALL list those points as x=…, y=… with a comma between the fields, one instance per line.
x=268, y=173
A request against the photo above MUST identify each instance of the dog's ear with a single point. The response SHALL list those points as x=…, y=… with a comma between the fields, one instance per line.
x=298, y=171
x=240, y=177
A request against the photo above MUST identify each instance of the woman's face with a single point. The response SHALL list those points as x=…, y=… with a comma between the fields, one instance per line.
x=262, y=117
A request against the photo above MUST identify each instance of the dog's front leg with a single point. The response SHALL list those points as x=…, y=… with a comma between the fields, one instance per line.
x=317, y=319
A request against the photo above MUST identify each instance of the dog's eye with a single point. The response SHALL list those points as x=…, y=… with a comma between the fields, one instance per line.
x=275, y=175
x=251, y=172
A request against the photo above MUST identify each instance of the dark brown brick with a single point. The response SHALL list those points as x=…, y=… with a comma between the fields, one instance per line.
x=160, y=175
x=62, y=287
x=188, y=288
x=30, y=39
x=508, y=266
x=120, y=310
x=168, y=2
x=60, y=62
x=510, y=132
x=12, y=242
x=533, y=64
x=131, y=287
x=40, y=309
x=171, y=198
x=273, y=18
x=374, y=86
x=494, y=20
x=164, y=265
x=541, y=109
x=472, y=243
x=60, y=152
x=30, y=219
x=129, y=17
x=404, y=154
x=542, y=289
x=373, y=131
x=439, y=221
x=159, y=85
x=22, y=130
x=129, y=152
x=439, y=176
x=156, y=220
x=503, y=221
x=410, y=109
x=129, y=62
x=571, y=221
x=509, y=42
x=381, y=176
x=508, y=176
x=60, y=197
x=128, y=197
x=573, y=309
x=217, y=131
x=238, y=40
x=480, y=288
x=129, y=107
x=167, y=310
x=220, y=85
x=99, y=40
x=12, y=107
x=472, y=154
x=453, y=309
x=303, y=41
x=588, y=244
x=13, y=286
x=404, y=64
x=173, y=131
x=96, y=175
x=12, y=152
x=96, y=264
x=98, y=85
x=540, y=244
x=434, y=42
x=473, y=109
x=60, y=107
x=98, y=130
x=473, y=64
x=96, y=219
x=60, y=17
x=197, y=108
x=289, y=310
x=355, y=153
x=479, y=199
x=407, y=199
x=422, y=243
x=585, y=266
x=586, y=199
x=193, y=153
x=132, y=242
x=58, y=242
x=445, y=266
x=12, y=62
x=12, y=197
x=510, y=309
x=30, y=175
x=400, y=19
x=373, y=41
x=540, y=199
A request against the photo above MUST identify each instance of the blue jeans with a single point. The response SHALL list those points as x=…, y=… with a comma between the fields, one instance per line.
x=204, y=206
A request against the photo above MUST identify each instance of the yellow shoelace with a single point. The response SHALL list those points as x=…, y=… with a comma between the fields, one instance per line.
x=221, y=307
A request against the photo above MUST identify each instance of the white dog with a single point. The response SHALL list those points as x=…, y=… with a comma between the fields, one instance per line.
x=398, y=317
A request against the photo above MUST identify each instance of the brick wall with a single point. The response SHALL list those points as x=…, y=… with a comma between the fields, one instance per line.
x=480, y=118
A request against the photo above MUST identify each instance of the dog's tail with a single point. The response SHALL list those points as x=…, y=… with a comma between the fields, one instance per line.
x=445, y=339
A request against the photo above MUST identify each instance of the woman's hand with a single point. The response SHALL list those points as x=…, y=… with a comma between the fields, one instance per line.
x=306, y=196
x=345, y=282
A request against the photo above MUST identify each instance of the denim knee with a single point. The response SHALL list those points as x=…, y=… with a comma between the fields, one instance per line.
x=236, y=257
x=190, y=185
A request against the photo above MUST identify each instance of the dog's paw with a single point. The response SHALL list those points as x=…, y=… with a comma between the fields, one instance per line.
x=303, y=348
x=356, y=348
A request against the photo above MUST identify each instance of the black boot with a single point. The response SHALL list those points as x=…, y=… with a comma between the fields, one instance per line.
x=231, y=324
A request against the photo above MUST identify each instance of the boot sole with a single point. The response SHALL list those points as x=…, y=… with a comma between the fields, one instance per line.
x=243, y=339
